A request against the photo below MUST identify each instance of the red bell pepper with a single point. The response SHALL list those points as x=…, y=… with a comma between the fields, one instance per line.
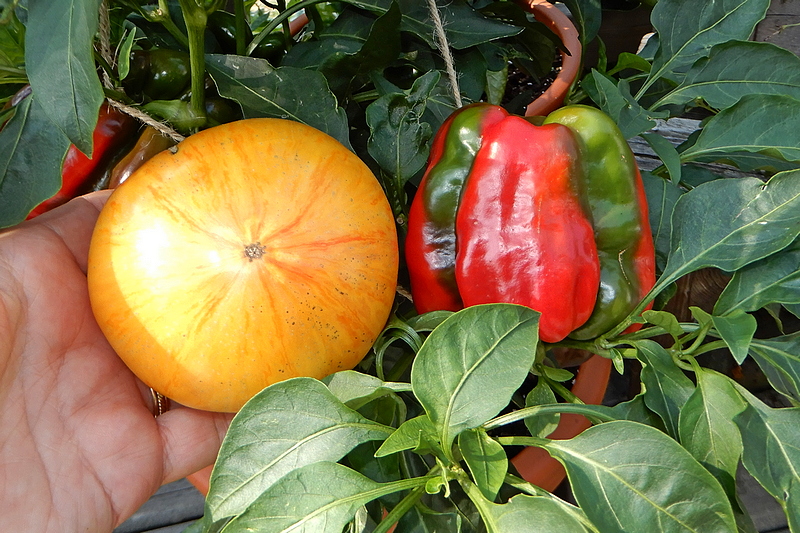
x=549, y=216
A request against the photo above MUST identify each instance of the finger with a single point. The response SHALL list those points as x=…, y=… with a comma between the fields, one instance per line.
x=191, y=440
x=74, y=222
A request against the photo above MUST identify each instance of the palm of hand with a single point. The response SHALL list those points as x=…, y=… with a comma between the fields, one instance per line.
x=79, y=447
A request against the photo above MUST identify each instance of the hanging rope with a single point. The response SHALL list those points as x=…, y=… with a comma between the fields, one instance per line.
x=104, y=31
x=105, y=42
x=161, y=127
x=444, y=48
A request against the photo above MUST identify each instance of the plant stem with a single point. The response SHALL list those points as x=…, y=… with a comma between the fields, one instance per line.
x=700, y=335
x=241, y=26
x=562, y=391
x=588, y=411
x=529, y=488
x=161, y=15
x=523, y=441
x=711, y=346
x=287, y=32
x=400, y=509
x=196, y=18
x=481, y=503
x=278, y=20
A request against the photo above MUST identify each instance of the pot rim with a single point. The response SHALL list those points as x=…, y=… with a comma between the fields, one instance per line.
x=571, y=58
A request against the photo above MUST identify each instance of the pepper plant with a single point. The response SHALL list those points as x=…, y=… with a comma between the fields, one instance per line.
x=419, y=436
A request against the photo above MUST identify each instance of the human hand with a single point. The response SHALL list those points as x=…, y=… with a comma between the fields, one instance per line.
x=80, y=449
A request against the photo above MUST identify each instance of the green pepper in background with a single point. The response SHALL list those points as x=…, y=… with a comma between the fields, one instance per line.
x=615, y=192
x=158, y=74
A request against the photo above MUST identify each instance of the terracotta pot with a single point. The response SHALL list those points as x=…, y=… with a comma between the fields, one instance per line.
x=534, y=464
x=562, y=26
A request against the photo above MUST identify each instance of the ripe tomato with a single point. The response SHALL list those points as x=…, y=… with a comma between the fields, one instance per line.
x=261, y=250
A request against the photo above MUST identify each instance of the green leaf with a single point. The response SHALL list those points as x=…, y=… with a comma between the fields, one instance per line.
x=627, y=60
x=587, y=16
x=60, y=64
x=399, y=138
x=522, y=511
x=542, y=425
x=318, y=498
x=124, y=65
x=735, y=69
x=760, y=131
x=737, y=330
x=289, y=424
x=631, y=477
x=687, y=31
x=31, y=154
x=667, y=153
x=463, y=25
x=774, y=279
x=481, y=348
x=771, y=453
x=424, y=520
x=418, y=434
x=486, y=459
x=662, y=195
x=707, y=430
x=779, y=359
x=636, y=410
x=617, y=102
x=355, y=389
x=286, y=92
x=729, y=223
x=12, y=45
x=667, y=388
x=666, y=320
x=352, y=46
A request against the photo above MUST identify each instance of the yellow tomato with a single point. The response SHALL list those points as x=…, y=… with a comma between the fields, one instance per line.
x=260, y=250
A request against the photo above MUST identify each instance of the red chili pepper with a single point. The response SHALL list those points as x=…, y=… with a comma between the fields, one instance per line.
x=112, y=132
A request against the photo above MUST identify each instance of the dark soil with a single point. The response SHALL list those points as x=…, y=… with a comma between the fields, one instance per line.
x=522, y=88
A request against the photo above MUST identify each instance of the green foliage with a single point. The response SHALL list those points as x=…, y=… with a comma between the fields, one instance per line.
x=421, y=435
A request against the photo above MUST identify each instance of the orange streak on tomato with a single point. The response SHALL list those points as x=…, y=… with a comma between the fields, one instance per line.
x=198, y=320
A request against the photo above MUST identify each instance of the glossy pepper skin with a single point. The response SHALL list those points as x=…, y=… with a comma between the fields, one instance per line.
x=522, y=232
x=111, y=134
x=149, y=143
x=431, y=240
x=550, y=216
x=158, y=74
x=616, y=197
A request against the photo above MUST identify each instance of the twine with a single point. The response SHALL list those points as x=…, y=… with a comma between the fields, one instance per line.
x=105, y=51
x=161, y=127
x=105, y=42
x=444, y=48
